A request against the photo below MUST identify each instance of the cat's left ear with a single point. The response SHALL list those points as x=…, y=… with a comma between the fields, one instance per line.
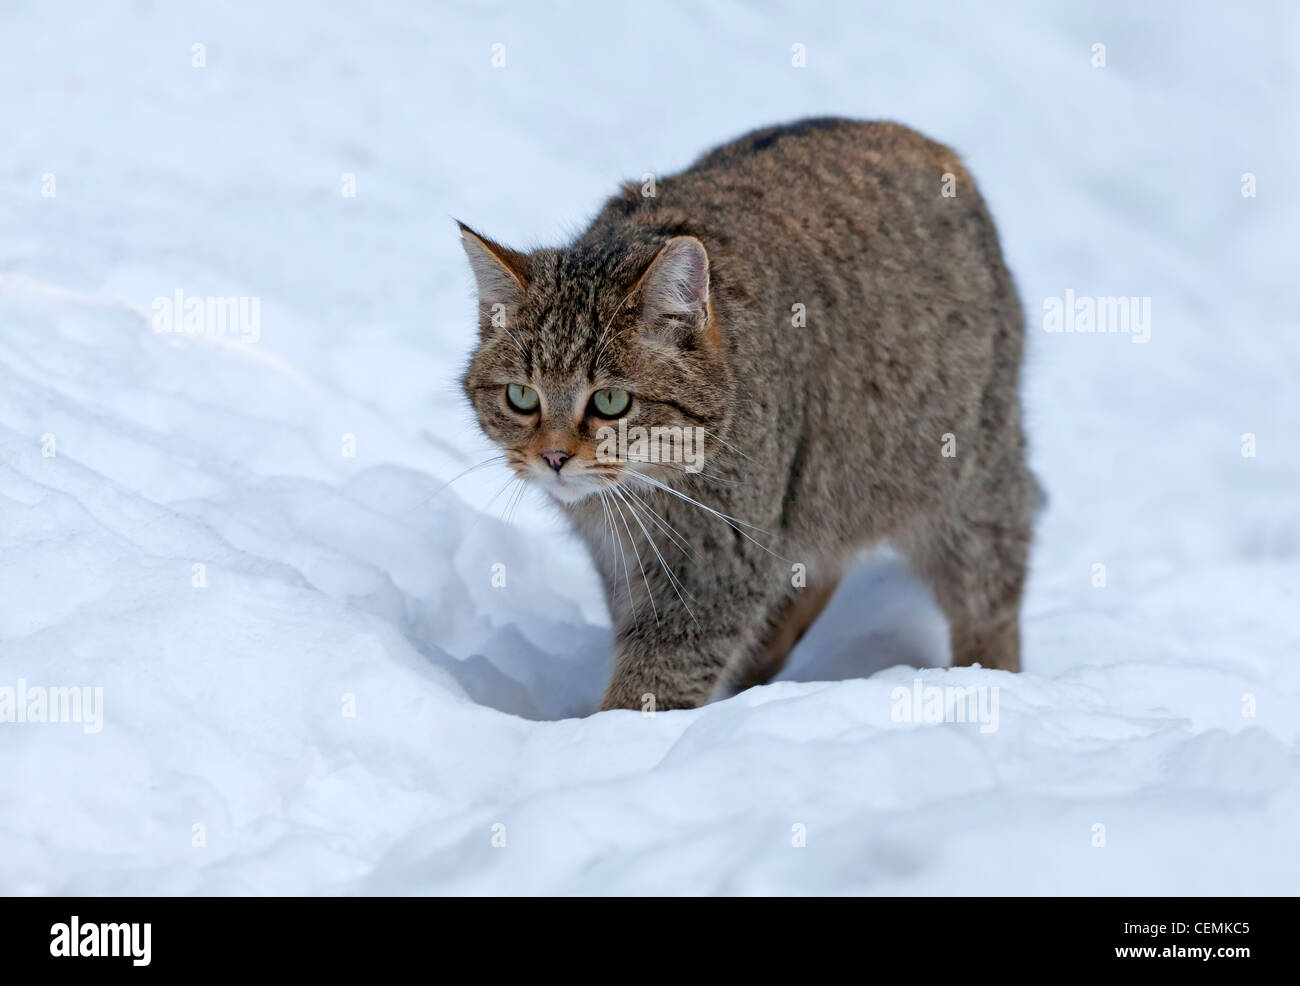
x=675, y=292
x=501, y=273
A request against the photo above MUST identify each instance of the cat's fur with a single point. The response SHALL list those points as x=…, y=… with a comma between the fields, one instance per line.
x=889, y=412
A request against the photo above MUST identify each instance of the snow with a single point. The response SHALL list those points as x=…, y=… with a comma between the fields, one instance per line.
x=1162, y=706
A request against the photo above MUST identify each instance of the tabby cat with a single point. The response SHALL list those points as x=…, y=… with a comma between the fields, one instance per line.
x=741, y=375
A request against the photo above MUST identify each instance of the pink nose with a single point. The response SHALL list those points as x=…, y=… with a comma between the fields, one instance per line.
x=555, y=458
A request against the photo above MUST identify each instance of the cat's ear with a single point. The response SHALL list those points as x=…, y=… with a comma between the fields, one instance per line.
x=502, y=274
x=675, y=292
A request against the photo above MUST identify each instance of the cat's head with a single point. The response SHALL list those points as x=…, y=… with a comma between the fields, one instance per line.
x=597, y=366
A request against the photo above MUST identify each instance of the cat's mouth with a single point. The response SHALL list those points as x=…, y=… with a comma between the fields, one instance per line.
x=567, y=486
x=569, y=490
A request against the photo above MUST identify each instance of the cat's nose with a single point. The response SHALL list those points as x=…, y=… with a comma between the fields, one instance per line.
x=555, y=458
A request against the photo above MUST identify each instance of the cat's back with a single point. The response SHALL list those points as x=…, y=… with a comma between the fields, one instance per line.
x=823, y=167
x=826, y=183
x=817, y=143
x=876, y=230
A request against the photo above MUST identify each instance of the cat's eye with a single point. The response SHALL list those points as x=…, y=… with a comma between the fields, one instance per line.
x=522, y=399
x=610, y=403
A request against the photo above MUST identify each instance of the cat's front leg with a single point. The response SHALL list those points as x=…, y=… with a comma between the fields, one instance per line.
x=681, y=639
x=659, y=667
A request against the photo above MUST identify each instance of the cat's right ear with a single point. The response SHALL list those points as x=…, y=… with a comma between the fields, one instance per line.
x=501, y=273
x=675, y=293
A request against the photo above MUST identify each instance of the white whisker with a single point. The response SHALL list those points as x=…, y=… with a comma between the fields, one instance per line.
x=672, y=578
x=464, y=472
x=726, y=443
x=729, y=520
x=678, y=468
x=644, y=578
x=618, y=540
x=673, y=534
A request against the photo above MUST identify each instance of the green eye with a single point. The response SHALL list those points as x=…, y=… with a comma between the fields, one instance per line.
x=610, y=403
x=521, y=398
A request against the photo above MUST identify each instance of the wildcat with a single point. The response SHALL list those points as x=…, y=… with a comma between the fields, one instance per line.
x=842, y=341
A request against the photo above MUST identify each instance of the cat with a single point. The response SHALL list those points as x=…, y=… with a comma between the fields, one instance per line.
x=821, y=314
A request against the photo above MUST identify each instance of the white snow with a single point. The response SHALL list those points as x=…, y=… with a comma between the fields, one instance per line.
x=338, y=582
